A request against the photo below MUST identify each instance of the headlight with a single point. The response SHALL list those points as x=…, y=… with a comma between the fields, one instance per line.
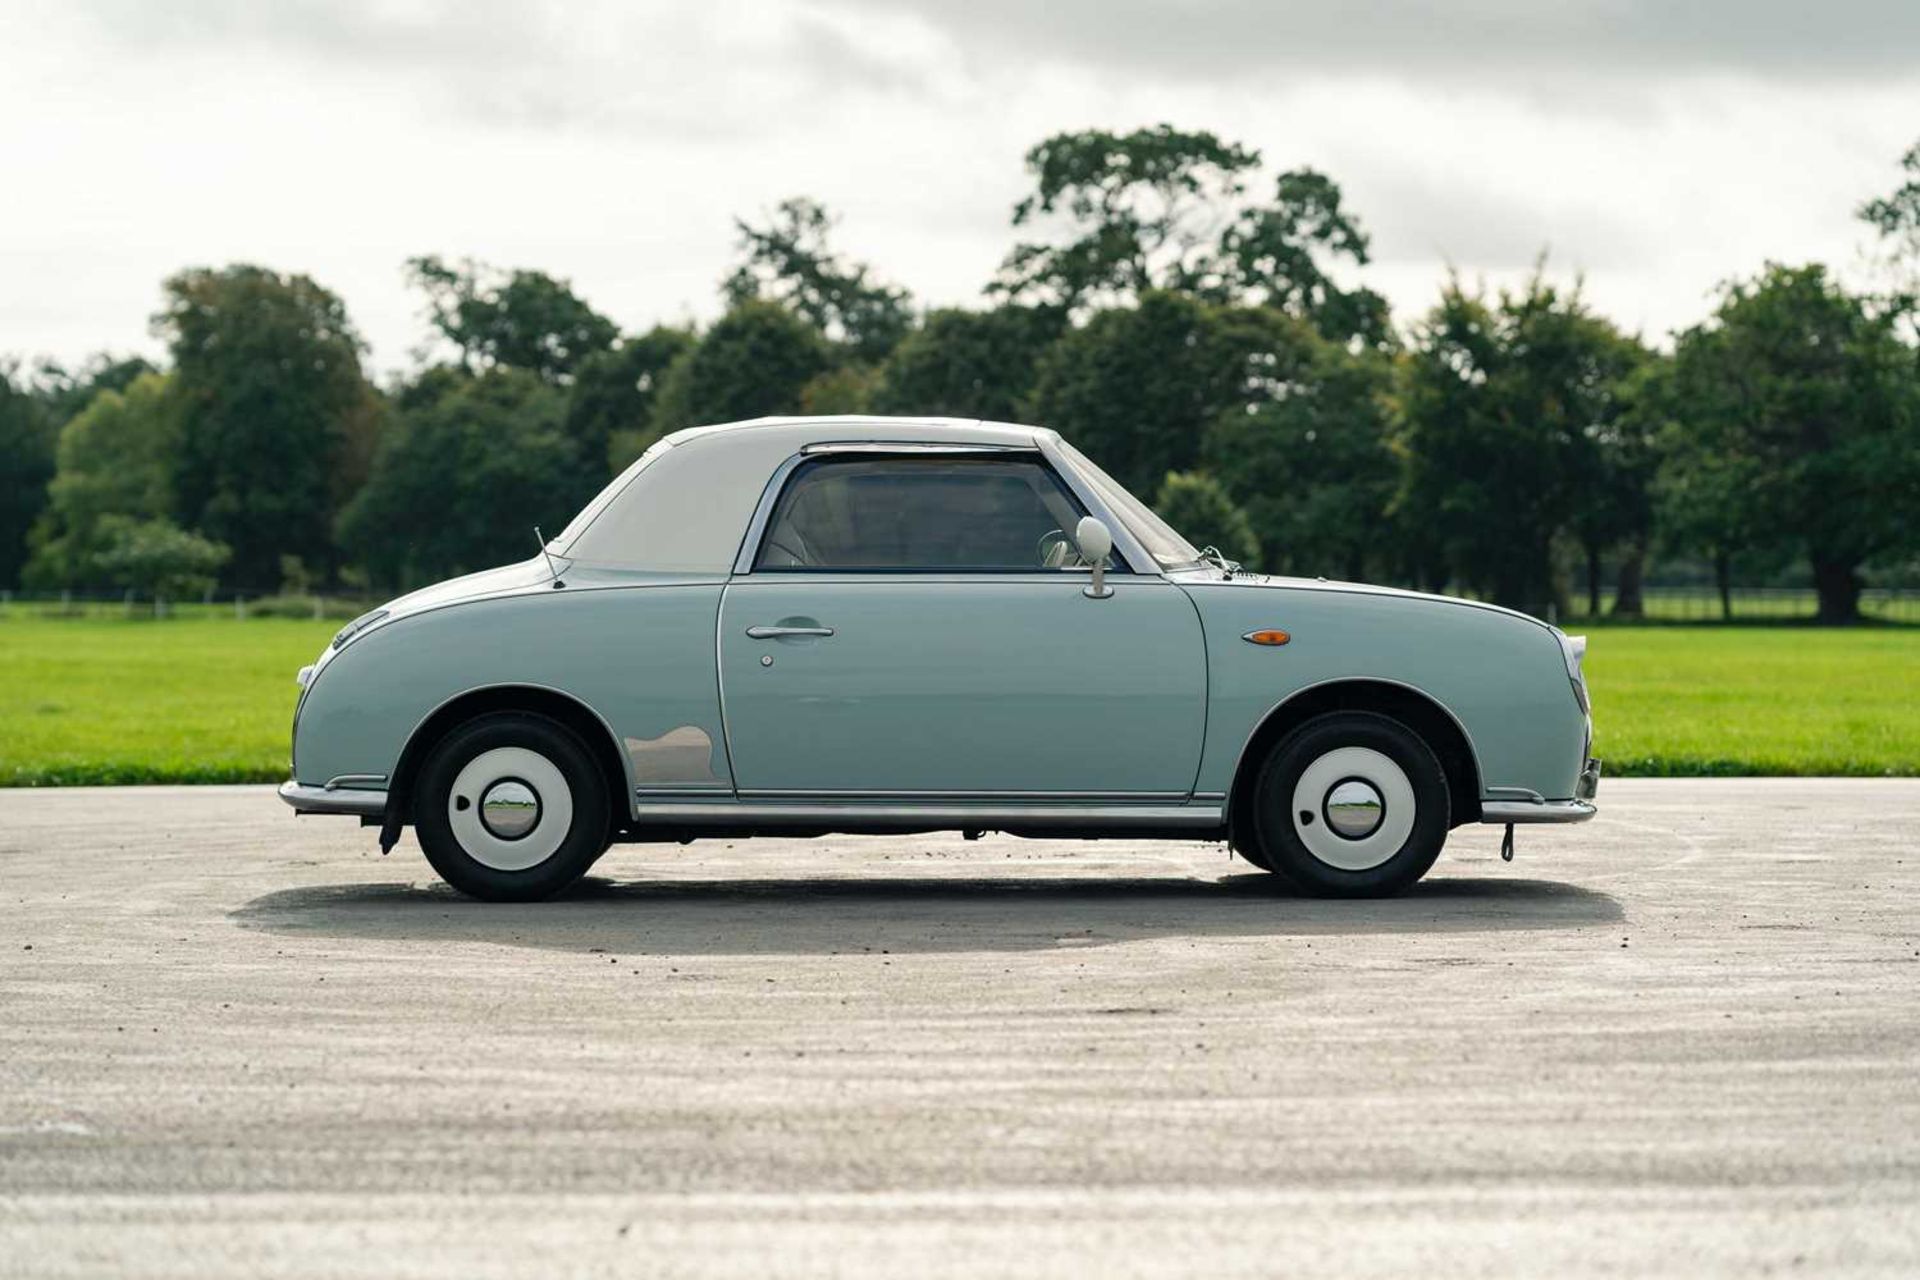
x=1574, y=650
x=358, y=625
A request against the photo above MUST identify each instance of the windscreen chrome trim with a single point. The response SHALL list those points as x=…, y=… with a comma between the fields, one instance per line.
x=1129, y=548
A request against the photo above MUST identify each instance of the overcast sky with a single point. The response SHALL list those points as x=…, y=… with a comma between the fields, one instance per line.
x=1657, y=147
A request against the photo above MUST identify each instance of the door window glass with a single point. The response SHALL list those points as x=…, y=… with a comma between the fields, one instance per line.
x=938, y=514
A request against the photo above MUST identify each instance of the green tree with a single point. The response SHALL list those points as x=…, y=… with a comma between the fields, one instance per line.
x=1896, y=215
x=516, y=319
x=66, y=391
x=1135, y=211
x=26, y=464
x=1310, y=459
x=846, y=389
x=1278, y=255
x=1617, y=503
x=156, y=557
x=755, y=361
x=276, y=418
x=1167, y=209
x=1197, y=505
x=1501, y=404
x=968, y=364
x=610, y=405
x=461, y=480
x=1136, y=387
x=789, y=261
x=115, y=459
x=1797, y=418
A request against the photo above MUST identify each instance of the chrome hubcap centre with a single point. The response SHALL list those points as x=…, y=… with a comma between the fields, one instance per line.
x=1354, y=809
x=510, y=809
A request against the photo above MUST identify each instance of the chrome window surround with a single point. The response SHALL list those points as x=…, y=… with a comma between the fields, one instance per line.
x=1129, y=551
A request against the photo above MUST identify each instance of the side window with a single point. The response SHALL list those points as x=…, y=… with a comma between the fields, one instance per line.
x=934, y=514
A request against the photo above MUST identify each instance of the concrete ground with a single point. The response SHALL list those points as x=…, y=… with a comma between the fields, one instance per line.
x=1682, y=1040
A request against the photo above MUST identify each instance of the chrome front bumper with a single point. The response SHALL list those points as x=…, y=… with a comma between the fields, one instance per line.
x=364, y=804
x=1538, y=809
x=1502, y=812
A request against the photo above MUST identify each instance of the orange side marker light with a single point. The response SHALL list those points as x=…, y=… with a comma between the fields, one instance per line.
x=1267, y=636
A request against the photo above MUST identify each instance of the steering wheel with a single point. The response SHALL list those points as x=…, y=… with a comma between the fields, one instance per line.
x=1049, y=543
x=798, y=552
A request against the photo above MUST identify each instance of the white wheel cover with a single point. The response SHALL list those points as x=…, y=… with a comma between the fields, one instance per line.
x=498, y=765
x=1322, y=776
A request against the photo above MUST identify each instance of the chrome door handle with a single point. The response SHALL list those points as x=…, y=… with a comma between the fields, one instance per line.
x=774, y=633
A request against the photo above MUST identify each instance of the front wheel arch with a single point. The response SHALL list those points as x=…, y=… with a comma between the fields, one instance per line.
x=592, y=731
x=1418, y=711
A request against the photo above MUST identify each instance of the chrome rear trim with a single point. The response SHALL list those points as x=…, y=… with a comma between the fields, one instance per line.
x=365, y=804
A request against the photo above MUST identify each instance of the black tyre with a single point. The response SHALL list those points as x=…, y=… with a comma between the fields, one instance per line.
x=1247, y=845
x=510, y=807
x=1351, y=805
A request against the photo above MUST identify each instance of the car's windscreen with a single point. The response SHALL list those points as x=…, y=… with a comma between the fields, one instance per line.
x=938, y=514
x=1163, y=543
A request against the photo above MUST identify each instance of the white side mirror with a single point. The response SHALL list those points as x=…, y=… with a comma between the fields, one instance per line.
x=1095, y=542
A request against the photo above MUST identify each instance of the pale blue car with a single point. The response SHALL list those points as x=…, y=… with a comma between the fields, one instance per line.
x=802, y=626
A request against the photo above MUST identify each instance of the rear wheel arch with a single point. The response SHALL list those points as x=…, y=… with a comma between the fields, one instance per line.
x=594, y=733
x=1418, y=711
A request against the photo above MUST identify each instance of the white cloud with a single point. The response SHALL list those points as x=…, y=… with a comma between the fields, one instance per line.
x=613, y=144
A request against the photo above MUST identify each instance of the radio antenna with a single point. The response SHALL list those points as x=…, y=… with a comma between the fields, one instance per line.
x=542, y=540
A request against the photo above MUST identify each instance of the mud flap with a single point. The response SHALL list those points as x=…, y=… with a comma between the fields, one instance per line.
x=396, y=806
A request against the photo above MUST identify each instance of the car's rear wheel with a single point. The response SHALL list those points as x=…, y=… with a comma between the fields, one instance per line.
x=511, y=808
x=1351, y=804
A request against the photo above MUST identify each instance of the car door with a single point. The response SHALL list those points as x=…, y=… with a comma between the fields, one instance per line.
x=899, y=632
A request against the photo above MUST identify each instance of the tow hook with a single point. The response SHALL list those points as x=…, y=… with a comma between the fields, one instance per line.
x=1506, y=845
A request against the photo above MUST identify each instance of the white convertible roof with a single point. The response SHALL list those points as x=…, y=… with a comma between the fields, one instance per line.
x=684, y=504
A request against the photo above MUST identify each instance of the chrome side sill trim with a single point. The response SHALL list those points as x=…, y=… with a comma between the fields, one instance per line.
x=347, y=780
x=995, y=816
x=365, y=804
x=784, y=796
x=1501, y=812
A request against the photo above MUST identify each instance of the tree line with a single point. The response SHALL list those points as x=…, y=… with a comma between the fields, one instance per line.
x=1190, y=320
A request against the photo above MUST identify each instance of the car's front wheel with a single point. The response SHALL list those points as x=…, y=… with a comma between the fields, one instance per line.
x=1351, y=804
x=511, y=808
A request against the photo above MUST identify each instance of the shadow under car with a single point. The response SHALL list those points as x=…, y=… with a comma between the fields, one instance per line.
x=903, y=914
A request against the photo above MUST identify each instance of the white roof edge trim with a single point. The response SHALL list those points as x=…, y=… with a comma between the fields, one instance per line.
x=916, y=446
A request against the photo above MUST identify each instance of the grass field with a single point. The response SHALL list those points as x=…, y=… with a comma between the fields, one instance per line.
x=116, y=700
x=100, y=700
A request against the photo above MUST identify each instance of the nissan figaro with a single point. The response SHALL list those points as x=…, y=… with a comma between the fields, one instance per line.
x=803, y=626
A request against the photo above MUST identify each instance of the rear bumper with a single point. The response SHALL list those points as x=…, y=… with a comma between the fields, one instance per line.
x=364, y=804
